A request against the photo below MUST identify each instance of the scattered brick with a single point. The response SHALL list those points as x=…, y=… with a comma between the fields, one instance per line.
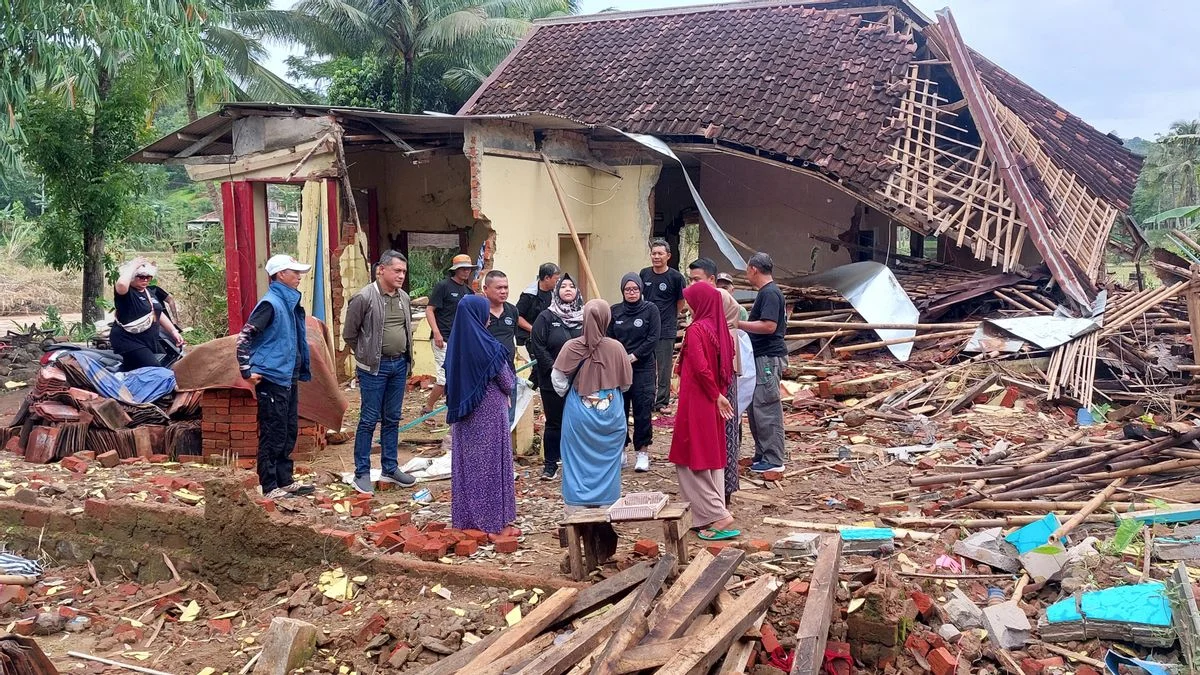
x=505, y=544
x=478, y=535
x=268, y=505
x=222, y=626
x=85, y=455
x=942, y=662
x=385, y=526
x=433, y=549
x=756, y=546
x=772, y=475
x=159, y=459
x=347, y=538
x=646, y=547
x=370, y=628
x=109, y=459
x=924, y=604
x=716, y=547
x=466, y=547
x=96, y=508
x=14, y=594
x=887, y=508
x=798, y=587
x=855, y=503
x=415, y=544
x=843, y=469
x=770, y=640
x=74, y=464
x=435, y=526
x=24, y=627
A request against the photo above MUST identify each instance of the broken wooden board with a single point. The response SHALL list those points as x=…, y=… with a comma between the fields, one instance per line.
x=635, y=623
x=704, y=649
x=1185, y=616
x=525, y=630
x=818, y=609
x=559, y=658
x=613, y=588
x=673, y=617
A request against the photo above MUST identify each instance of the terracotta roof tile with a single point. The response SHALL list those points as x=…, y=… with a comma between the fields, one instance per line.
x=798, y=82
x=1101, y=162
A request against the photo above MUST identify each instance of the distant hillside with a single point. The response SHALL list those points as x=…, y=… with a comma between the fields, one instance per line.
x=1139, y=145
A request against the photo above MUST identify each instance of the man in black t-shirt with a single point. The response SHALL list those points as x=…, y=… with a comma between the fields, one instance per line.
x=533, y=301
x=443, y=304
x=663, y=287
x=766, y=326
x=503, y=322
x=168, y=302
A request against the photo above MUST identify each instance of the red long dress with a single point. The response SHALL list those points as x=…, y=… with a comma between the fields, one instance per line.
x=698, y=442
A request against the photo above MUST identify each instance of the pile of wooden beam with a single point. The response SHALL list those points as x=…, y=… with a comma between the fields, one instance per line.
x=634, y=621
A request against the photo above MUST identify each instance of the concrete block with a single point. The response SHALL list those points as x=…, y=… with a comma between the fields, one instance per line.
x=948, y=632
x=287, y=645
x=1043, y=567
x=961, y=611
x=797, y=544
x=1007, y=625
x=989, y=547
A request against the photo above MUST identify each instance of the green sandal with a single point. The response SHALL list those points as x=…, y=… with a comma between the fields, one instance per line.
x=718, y=535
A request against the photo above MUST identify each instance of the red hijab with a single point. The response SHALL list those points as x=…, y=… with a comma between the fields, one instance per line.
x=708, y=323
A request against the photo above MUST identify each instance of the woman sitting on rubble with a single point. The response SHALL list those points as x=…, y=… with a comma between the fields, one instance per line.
x=479, y=380
x=140, y=318
x=560, y=322
x=592, y=372
x=698, y=448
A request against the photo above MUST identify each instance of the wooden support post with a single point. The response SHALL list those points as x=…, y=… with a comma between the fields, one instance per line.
x=593, y=288
x=1193, y=308
x=818, y=610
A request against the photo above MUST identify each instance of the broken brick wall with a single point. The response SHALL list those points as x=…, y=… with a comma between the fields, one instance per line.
x=229, y=424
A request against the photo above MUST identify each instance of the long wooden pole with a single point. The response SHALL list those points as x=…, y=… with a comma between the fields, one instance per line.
x=593, y=289
x=900, y=341
x=852, y=325
x=1093, y=504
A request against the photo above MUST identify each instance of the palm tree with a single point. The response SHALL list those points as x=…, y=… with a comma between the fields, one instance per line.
x=463, y=37
x=1171, y=173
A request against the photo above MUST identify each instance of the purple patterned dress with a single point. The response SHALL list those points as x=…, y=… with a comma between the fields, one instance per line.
x=484, y=496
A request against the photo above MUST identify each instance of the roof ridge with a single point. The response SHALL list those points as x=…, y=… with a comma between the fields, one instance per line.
x=670, y=11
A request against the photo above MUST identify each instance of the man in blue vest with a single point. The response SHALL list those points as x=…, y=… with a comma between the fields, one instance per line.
x=272, y=353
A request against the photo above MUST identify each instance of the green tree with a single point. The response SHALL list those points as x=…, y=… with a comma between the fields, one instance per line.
x=414, y=38
x=1170, y=176
x=80, y=151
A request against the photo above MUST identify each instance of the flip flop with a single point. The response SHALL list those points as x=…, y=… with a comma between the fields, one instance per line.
x=718, y=535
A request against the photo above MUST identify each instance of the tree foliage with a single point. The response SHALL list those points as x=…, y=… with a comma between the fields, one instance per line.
x=1170, y=177
x=80, y=151
x=417, y=43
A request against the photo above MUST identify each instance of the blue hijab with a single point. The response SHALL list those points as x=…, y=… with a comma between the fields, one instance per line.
x=473, y=358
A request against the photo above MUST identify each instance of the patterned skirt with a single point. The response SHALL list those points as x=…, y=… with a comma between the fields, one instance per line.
x=733, y=443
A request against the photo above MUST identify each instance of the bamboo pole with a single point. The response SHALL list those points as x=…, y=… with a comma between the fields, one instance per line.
x=593, y=288
x=899, y=341
x=1093, y=504
x=880, y=326
x=1040, y=455
x=1159, y=467
x=1053, y=505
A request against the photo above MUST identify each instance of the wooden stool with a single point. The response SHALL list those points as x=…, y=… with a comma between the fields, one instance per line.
x=676, y=518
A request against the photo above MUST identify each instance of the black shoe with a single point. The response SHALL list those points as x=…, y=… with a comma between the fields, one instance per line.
x=299, y=489
x=398, y=477
x=550, y=473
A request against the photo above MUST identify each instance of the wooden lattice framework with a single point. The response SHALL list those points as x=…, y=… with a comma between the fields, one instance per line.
x=950, y=186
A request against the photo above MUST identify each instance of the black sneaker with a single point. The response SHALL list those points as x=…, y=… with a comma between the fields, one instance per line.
x=299, y=489
x=398, y=477
x=550, y=473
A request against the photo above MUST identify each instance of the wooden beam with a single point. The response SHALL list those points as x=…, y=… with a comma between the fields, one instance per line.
x=674, y=617
x=204, y=142
x=634, y=624
x=454, y=662
x=525, y=630
x=593, y=289
x=559, y=659
x=689, y=576
x=818, y=609
x=598, y=595
x=704, y=649
x=948, y=39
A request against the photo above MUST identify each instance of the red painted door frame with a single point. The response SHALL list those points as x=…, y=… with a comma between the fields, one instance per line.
x=241, y=275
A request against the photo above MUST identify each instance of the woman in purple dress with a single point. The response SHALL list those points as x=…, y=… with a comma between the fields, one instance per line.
x=479, y=381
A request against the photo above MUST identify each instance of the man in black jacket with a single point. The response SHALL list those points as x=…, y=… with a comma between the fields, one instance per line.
x=636, y=325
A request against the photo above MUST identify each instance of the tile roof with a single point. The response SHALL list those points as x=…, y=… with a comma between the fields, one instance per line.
x=802, y=83
x=1101, y=162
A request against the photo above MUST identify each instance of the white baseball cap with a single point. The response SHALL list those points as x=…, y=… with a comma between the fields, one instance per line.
x=278, y=263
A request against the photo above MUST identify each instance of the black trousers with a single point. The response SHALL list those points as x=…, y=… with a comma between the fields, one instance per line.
x=640, y=400
x=141, y=357
x=278, y=426
x=552, y=405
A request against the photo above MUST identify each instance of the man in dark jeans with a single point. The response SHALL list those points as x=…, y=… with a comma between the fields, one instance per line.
x=663, y=287
x=766, y=326
x=272, y=353
x=530, y=304
x=378, y=328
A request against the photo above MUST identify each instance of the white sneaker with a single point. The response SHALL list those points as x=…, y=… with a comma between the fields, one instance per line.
x=277, y=493
x=643, y=462
x=624, y=458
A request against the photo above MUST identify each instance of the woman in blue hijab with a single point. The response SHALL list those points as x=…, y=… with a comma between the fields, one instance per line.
x=479, y=381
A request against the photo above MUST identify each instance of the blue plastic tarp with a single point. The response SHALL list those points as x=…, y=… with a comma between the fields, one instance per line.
x=1145, y=604
x=1034, y=534
x=137, y=386
x=1113, y=662
x=866, y=533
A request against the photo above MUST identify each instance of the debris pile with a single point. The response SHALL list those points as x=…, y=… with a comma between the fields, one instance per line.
x=65, y=413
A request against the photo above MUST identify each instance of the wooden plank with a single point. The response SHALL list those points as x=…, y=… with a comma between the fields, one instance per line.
x=526, y=652
x=704, y=649
x=818, y=608
x=672, y=511
x=528, y=628
x=559, y=659
x=647, y=657
x=454, y=662
x=689, y=576
x=635, y=624
x=605, y=592
x=739, y=653
x=575, y=554
x=673, y=617
x=206, y=141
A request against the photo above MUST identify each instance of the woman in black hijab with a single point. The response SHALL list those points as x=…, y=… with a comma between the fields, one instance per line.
x=635, y=324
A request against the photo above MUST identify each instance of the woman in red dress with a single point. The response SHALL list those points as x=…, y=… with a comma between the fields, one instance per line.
x=698, y=444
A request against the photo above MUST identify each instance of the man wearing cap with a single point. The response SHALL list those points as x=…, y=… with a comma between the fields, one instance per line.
x=378, y=328
x=272, y=353
x=725, y=283
x=443, y=303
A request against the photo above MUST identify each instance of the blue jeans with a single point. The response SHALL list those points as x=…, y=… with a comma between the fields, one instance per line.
x=382, y=397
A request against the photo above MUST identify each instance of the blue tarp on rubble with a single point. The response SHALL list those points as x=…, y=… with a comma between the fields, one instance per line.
x=137, y=386
x=1145, y=604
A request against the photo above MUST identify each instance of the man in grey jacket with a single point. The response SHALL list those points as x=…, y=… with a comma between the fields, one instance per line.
x=378, y=328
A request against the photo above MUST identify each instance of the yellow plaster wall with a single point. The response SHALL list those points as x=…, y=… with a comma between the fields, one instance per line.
x=432, y=196
x=517, y=197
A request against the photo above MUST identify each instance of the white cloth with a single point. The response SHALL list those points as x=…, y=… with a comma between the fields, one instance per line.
x=745, y=381
x=439, y=361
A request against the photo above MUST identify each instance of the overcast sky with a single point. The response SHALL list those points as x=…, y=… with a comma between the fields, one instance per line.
x=1123, y=66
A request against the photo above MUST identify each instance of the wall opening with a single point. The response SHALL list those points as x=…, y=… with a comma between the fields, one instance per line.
x=568, y=259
